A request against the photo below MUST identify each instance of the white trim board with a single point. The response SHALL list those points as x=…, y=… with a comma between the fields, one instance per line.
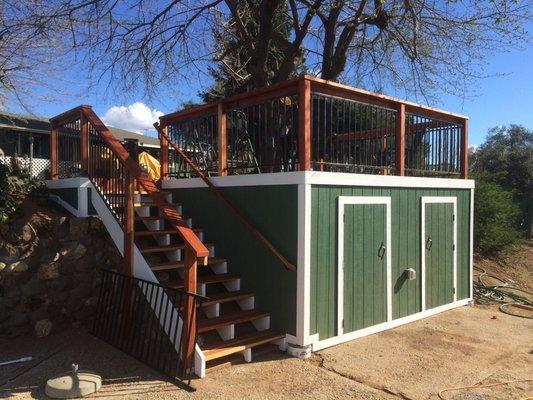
x=321, y=178
x=371, y=200
x=436, y=200
x=322, y=344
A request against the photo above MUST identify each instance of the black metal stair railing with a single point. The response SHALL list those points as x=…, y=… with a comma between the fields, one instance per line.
x=144, y=319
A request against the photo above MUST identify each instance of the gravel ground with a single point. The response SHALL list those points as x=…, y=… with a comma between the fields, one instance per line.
x=456, y=348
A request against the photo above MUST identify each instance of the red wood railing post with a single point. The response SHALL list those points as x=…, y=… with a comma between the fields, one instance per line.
x=189, y=320
x=53, y=154
x=84, y=144
x=464, y=151
x=400, y=140
x=222, y=141
x=129, y=185
x=304, y=124
x=163, y=154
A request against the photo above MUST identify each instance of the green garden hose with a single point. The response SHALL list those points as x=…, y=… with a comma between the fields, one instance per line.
x=503, y=293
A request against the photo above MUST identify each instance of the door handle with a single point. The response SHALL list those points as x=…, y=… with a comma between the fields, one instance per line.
x=429, y=243
x=381, y=251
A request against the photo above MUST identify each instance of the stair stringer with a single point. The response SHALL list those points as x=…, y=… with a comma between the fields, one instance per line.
x=142, y=270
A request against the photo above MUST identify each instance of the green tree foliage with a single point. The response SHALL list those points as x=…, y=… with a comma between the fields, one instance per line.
x=495, y=214
x=233, y=71
x=506, y=159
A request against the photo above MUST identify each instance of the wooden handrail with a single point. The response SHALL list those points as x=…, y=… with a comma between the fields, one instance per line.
x=134, y=170
x=225, y=200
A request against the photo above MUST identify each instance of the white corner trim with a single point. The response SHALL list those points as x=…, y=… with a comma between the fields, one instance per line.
x=471, y=258
x=322, y=344
x=436, y=200
x=371, y=200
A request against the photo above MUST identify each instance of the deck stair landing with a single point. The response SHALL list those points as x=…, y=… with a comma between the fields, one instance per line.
x=228, y=323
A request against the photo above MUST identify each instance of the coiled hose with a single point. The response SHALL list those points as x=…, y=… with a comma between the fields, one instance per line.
x=510, y=297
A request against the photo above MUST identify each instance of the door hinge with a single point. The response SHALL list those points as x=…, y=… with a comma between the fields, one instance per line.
x=453, y=217
x=453, y=290
x=453, y=246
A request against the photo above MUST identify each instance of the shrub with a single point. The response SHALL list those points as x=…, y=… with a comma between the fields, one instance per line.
x=14, y=189
x=495, y=216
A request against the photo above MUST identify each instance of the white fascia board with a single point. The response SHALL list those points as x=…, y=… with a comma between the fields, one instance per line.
x=67, y=183
x=322, y=178
x=347, y=179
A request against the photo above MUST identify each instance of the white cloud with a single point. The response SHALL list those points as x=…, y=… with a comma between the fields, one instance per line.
x=136, y=117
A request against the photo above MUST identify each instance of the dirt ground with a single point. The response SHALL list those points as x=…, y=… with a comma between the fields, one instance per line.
x=461, y=347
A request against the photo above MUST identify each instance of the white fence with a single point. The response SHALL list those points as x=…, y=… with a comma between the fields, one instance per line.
x=37, y=167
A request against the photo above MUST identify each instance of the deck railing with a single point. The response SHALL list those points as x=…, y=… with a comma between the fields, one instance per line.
x=312, y=124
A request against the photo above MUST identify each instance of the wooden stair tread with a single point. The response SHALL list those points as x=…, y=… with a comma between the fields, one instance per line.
x=155, y=217
x=228, y=347
x=162, y=232
x=163, y=248
x=215, y=278
x=152, y=204
x=164, y=265
x=239, y=317
x=226, y=297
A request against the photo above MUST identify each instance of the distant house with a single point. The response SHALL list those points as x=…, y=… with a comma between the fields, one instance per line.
x=28, y=138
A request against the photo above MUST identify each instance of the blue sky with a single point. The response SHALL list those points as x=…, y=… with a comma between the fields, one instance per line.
x=500, y=100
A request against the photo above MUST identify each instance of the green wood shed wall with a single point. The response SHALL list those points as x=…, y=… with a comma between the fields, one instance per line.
x=273, y=209
x=406, y=252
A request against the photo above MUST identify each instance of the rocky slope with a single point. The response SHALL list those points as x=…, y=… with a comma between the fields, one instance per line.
x=50, y=266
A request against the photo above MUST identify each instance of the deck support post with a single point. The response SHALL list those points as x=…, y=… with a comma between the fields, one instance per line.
x=464, y=150
x=129, y=185
x=53, y=154
x=304, y=125
x=163, y=156
x=222, y=141
x=84, y=144
x=189, y=319
x=400, y=140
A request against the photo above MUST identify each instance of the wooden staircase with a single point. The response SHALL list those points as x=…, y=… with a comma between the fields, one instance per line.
x=174, y=251
x=228, y=323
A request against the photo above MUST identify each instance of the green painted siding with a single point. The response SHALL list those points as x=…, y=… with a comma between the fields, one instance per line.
x=68, y=195
x=365, y=266
x=405, y=251
x=439, y=254
x=274, y=211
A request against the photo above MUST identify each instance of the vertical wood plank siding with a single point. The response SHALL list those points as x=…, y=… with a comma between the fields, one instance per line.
x=406, y=252
x=274, y=211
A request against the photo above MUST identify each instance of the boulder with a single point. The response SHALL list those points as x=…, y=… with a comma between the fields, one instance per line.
x=18, y=266
x=27, y=233
x=78, y=228
x=61, y=227
x=3, y=265
x=48, y=271
x=76, y=252
x=43, y=328
x=85, y=264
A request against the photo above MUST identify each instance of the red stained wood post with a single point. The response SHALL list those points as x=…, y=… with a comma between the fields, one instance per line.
x=129, y=187
x=304, y=123
x=222, y=141
x=400, y=140
x=163, y=155
x=84, y=145
x=189, y=320
x=464, y=151
x=53, y=154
